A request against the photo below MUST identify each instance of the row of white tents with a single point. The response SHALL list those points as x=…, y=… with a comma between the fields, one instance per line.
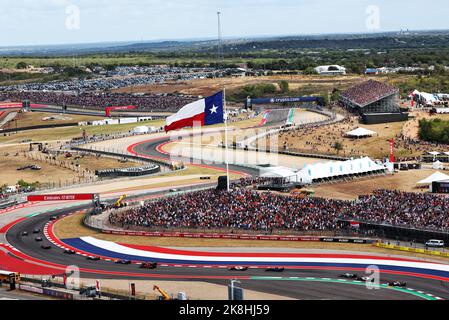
x=326, y=171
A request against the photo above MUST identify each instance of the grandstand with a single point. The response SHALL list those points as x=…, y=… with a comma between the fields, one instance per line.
x=376, y=102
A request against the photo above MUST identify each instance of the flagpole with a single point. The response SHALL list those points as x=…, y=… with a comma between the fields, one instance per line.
x=226, y=140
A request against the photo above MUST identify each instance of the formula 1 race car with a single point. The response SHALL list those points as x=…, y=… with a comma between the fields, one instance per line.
x=365, y=279
x=275, y=269
x=93, y=258
x=238, y=268
x=68, y=251
x=397, y=284
x=45, y=247
x=148, y=265
x=123, y=262
x=349, y=276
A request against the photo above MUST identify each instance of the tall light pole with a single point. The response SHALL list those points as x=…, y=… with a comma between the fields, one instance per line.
x=219, y=48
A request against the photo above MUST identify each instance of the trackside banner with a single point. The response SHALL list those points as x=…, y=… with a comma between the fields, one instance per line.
x=61, y=197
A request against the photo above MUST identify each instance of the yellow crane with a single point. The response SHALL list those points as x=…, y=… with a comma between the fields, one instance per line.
x=162, y=292
x=119, y=203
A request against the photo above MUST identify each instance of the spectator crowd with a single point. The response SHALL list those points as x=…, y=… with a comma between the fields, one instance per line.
x=147, y=102
x=246, y=209
x=368, y=92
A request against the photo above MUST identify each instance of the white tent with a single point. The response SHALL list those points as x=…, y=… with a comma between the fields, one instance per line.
x=278, y=172
x=446, y=153
x=335, y=169
x=141, y=129
x=437, y=176
x=434, y=153
x=360, y=132
x=437, y=165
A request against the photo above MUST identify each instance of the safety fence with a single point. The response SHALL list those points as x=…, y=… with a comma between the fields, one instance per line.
x=413, y=250
x=233, y=236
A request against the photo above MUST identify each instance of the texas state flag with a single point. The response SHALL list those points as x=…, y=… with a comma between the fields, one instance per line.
x=205, y=112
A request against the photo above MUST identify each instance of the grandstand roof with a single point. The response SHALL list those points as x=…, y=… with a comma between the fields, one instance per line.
x=368, y=92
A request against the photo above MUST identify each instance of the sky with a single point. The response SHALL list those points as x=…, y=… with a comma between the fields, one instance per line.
x=41, y=22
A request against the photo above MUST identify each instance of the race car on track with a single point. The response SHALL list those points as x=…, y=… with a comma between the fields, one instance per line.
x=24, y=233
x=38, y=239
x=365, y=279
x=238, y=268
x=123, y=262
x=397, y=284
x=148, y=265
x=92, y=258
x=349, y=276
x=45, y=247
x=36, y=231
x=275, y=269
x=68, y=251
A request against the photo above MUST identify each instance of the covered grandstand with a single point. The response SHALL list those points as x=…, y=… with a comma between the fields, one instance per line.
x=376, y=102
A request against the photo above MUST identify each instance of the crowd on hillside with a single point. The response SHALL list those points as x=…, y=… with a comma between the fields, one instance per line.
x=247, y=209
x=368, y=92
x=163, y=102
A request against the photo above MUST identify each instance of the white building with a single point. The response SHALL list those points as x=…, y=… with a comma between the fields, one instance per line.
x=330, y=70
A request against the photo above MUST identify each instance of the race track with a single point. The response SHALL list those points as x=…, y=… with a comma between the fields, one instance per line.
x=320, y=282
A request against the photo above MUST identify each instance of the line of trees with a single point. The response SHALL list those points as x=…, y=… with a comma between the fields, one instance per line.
x=436, y=130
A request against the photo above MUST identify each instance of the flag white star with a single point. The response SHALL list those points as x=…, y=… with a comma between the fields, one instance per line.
x=214, y=109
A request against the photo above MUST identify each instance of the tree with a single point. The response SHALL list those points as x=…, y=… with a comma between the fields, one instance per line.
x=21, y=65
x=284, y=86
x=338, y=146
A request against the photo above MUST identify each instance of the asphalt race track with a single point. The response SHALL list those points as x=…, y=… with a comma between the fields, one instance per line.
x=293, y=283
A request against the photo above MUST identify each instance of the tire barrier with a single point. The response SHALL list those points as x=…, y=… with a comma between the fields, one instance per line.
x=128, y=172
x=7, y=204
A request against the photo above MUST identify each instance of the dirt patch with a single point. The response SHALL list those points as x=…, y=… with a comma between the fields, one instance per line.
x=403, y=180
x=27, y=119
x=12, y=158
x=55, y=170
x=207, y=87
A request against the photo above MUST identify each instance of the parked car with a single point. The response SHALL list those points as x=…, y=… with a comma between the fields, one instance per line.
x=435, y=243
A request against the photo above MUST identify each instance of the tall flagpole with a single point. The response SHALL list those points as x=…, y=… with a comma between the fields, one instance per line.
x=226, y=139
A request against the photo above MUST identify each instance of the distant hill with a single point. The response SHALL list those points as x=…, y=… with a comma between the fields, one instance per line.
x=392, y=40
